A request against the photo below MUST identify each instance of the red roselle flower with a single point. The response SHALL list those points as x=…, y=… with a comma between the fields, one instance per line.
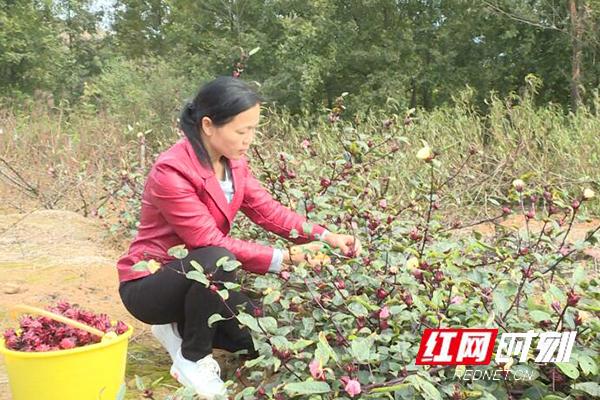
x=351, y=386
x=316, y=370
x=340, y=284
x=285, y=275
x=414, y=234
x=384, y=313
x=418, y=274
x=573, y=298
x=68, y=343
x=360, y=322
x=381, y=293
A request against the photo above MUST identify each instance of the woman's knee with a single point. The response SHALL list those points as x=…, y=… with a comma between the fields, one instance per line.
x=210, y=259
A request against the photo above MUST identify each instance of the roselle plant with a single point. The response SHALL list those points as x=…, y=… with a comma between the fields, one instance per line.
x=351, y=327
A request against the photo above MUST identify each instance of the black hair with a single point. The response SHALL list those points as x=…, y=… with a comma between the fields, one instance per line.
x=221, y=100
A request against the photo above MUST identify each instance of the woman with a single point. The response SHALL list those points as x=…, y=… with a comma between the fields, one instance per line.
x=191, y=197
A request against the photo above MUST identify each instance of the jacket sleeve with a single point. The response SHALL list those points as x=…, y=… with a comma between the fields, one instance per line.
x=176, y=198
x=267, y=212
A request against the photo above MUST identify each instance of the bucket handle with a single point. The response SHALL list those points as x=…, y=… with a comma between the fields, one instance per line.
x=21, y=308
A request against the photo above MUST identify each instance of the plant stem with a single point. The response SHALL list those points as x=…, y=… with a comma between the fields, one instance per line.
x=428, y=219
x=562, y=316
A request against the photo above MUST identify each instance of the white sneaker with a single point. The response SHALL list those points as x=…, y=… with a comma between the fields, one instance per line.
x=203, y=376
x=168, y=336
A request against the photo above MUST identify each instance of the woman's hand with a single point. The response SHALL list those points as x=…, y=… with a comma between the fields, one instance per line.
x=348, y=244
x=310, y=252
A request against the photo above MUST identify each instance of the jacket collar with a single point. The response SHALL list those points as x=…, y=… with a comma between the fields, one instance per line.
x=212, y=185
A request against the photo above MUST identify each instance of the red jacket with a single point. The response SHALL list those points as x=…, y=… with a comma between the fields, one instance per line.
x=183, y=203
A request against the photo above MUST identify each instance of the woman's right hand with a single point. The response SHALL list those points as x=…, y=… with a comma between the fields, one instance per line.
x=309, y=252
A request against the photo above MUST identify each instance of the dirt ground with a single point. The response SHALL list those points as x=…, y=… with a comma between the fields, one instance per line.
x=47, y=255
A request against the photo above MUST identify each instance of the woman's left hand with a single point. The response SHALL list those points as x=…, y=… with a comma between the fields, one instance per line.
x=348, y=244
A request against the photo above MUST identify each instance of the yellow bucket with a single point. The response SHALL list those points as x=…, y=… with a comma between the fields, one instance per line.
x=94, y=372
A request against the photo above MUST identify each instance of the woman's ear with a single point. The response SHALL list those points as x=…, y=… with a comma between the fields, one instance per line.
x=207, y=126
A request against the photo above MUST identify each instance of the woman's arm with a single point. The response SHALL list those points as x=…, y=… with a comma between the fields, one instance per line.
x=179, y=204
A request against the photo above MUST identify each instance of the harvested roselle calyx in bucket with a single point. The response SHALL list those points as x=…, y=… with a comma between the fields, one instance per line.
x=41, y=333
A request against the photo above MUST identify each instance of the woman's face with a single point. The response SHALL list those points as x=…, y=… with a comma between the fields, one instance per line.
x=233, y=139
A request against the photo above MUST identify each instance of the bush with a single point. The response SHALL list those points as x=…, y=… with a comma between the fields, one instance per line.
x=352, y=327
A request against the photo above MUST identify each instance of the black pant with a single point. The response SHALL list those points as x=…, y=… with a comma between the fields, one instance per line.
x=169, y=296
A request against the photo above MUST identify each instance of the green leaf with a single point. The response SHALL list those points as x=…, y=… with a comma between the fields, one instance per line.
x=579, y=275
x=588, y=365
x=591, y=388
x=231, y=285
x=249, y=321
x=500, y=302
x=568, y=369
x=358, y=309
x=140, y=266
x=538, y=315
x=280, y=342
x=301, y=344
x=253, y=51
x=197, y=266
x=272, y=297
x=252, y=363
x=224, y=293
x=361, y=349
x=307, y=228
x=198, y=276
x=228, y=264
x=268, y=323
x=425, y=387
x=326, y=347
x=557, y=293
x=306, y=387
x=214, y=318
x=247, y=393
x=387, y=389
x=178, y=251
x=293, y=234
